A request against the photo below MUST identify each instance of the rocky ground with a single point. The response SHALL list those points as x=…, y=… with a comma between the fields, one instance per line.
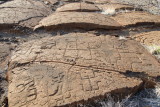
x=73, y=53
x=152, y=6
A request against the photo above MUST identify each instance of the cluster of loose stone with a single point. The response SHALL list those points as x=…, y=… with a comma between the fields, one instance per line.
x=77, y=67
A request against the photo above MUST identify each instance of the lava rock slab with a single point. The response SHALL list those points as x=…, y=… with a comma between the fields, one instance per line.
x=78, y=7
x=76, y=67
x=136, y=18
x=25, y=13
x=84, y=20
x=100, y=1
x=152, y=6
x=148, y=38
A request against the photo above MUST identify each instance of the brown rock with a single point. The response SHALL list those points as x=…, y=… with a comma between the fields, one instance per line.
x=148, y=38
x=114, y=6
x=101, y=1
x=62, y=1
x=26, y=13
x=78, y=20
x=76, y=67
x=133, y=18
x=78, y=7
x=152, y=6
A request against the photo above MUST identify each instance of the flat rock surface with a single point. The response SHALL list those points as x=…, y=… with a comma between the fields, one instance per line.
x=133, y=18
x=148, y=38
x=58, y=1
x=26, y=13
x=151, y=41
x=85, y=56
x=101, y=1
x=83, y=20
x=114, y=6
x=152, y=6
x=119, y=51
x=76, y=67
x=80, y=7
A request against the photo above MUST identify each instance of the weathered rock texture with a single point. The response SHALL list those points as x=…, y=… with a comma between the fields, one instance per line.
x=78, y=20
x=86, y=20
x=149, y=38
x=133, y=18
x=26, y=13
x=3, y=90
x=114, y=6
x=101, y=1
x=76, y=67
x=54, y=2
x=152, y=6
x=5, y=50
x=80, y=7
x=4, y=57
x=151, y=41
